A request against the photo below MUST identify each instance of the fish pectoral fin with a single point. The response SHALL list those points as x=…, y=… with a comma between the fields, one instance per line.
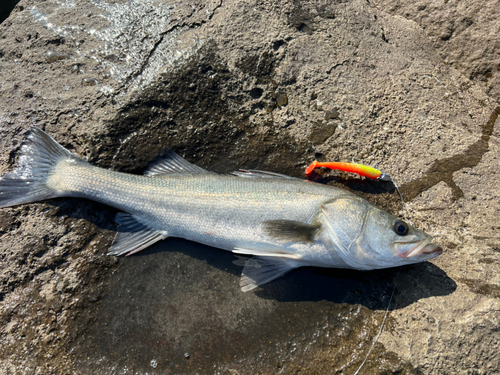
x=290, y=231
x=171, y=163
x=133, y=235
x=260, y=271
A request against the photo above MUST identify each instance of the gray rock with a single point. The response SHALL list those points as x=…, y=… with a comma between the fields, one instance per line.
x=203, y=78
x=465, y=33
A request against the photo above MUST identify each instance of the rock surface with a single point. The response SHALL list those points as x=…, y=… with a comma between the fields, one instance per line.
x=465, y=33
x=254, y=84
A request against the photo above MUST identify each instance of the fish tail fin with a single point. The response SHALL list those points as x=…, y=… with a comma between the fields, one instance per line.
x=40, y=153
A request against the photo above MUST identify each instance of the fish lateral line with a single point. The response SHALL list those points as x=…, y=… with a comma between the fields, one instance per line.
x=360, y=169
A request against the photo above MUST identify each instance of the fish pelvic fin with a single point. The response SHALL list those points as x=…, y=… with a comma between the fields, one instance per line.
x=40, y=154
x=133, y=235
x=261, y=270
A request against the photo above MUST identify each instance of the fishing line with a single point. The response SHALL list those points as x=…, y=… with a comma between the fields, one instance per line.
x=381, y=327
x=401, y=196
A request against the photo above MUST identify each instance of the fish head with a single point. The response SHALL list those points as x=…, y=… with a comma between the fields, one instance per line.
x=367, y=237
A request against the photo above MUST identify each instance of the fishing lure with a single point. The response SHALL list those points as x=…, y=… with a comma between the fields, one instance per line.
x=360, y=169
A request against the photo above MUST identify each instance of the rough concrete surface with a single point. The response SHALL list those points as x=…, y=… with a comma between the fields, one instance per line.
x=268, y=85
x=465, y=33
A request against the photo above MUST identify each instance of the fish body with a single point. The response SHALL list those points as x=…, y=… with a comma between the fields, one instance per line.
x=283, y=222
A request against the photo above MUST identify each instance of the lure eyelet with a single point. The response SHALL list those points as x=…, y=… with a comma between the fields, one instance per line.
x=401, y=228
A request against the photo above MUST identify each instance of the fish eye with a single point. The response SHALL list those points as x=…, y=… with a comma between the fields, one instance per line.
x=401, y=228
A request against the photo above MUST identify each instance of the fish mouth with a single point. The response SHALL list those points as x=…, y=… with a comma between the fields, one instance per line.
x=423, y=247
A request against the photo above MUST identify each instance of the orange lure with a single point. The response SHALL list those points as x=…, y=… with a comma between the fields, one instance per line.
x=360, y=169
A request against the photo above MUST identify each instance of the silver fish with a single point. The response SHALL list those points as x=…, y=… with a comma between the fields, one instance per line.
x=283, y=222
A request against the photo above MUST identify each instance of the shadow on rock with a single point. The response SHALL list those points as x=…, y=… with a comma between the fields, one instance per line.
x=371, y=289
x=365, y=186
x=381, y=193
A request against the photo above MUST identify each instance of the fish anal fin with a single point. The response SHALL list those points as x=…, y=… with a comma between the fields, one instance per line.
x=290, y=231
x=133, y=235
x=260, y=271
x=170, y=163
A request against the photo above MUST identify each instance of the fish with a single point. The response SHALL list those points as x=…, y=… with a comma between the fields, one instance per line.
x=281, y=222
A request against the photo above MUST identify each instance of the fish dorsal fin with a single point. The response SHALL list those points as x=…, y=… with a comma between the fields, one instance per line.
x=259, y=271
x=169, y=163
x=290, y=231
x=133, y=235
x=253, y=173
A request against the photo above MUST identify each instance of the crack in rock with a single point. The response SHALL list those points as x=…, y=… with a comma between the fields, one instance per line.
x=443, y=169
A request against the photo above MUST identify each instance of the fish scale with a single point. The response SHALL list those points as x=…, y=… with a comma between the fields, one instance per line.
x=191, y=205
